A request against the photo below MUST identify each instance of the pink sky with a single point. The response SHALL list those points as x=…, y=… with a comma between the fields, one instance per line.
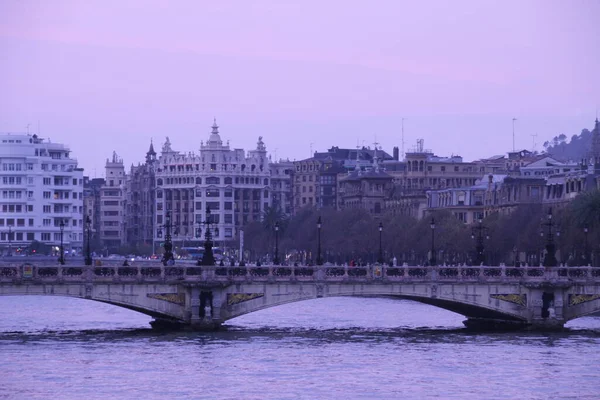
x=110, y=75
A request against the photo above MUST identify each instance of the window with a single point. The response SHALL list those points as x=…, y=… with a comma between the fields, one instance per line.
x=46, y=209
x=30, y=236
x=45, y=237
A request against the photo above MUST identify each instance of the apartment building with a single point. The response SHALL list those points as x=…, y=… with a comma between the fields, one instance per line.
x=235, y=186
x=41, y=194
x=112, y=205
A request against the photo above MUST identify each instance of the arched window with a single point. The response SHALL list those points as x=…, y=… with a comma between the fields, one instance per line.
x=159, y=182
x=198, y=181
x=266, y=182
x=253, y=167
x=228, y=181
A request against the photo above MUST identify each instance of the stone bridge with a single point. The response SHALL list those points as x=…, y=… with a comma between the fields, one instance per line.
x=205, y=297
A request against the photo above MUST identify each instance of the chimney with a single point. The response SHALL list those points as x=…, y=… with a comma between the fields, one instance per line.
x=396, y=153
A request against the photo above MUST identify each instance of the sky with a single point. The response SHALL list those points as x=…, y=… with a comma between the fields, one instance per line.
x=112, y=75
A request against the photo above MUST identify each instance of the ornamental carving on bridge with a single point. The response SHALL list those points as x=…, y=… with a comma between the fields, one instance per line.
x=575, y=299
x=176, y=298
x=520, y=299
x=236, y=298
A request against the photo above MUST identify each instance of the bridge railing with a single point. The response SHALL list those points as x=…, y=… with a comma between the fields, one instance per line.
x=156, y=272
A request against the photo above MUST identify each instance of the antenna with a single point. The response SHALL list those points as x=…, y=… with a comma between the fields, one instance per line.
x=533, y=142
x=28, y=128
x=311, y=152
x=513, y=122
x=403, y=139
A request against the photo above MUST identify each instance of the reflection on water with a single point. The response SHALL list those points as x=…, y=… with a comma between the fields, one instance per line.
x=324, y=348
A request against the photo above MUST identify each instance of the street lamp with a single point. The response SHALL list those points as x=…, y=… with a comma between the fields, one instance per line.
x=380, y=259
x=168, y=258
x=319, y=259
x=61, y=259
x=479, y=247
x=585, y=249
x=208, y=257
x=276, y=259
x=10, y=241
x=550, y=258
x=432, y=260
x=88, y=255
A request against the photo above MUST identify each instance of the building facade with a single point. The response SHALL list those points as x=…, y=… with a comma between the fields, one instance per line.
x=140, y=202
x=41, y=194
x=112, y=222
x=233, y=185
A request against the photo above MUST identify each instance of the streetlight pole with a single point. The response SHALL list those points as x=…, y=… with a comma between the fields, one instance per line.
x=61, y=259
x=88, y=255
x=208, y=257
x=550, y=258
x=168, y=258
x=319, y=259
x=380, y=259
x=10, y=241
x=276, y=259
x=479, y=247
x=585, y=248
x=432, y=260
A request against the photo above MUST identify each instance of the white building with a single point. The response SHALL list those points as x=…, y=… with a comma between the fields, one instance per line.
x=235, y=185
x=40, y=187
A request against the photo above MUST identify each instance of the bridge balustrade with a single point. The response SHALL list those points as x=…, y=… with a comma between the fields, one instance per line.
x=153, y=272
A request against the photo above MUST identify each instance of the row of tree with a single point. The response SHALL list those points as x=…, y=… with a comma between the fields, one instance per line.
x=353, y=235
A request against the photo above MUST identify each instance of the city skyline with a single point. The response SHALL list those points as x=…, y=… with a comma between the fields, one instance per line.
x=102, y=77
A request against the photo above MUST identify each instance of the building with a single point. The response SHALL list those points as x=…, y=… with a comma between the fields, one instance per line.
x=112, y=222
x=41, y=194
x=281, y=185
x=315, y=182
x=235, y=186
x=366, y=189
x=423, y=171
x=91, y=205
x=140, y=203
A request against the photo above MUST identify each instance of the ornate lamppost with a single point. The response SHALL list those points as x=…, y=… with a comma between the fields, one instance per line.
x=380, y=258
x=168, y=258
x=88, y=253
x=61, y=259
x=319, y=259
x=550, y=258
x=276, y=259
x=585, y=248
x=478, y=233
x=432, y=260
x=10, y=241
x=208, y=257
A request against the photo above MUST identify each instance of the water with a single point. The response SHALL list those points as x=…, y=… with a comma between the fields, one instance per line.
x=336, y=348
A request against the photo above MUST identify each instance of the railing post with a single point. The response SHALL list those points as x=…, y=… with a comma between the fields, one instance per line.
x=434, y=273
x=162, y=273
x=139, y=273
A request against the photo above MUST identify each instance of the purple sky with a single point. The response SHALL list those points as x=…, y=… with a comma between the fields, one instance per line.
x=110, y=75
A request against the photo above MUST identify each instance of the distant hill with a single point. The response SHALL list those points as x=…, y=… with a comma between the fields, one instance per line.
x=574, y=150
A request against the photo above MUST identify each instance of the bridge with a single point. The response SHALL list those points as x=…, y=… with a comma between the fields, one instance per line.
x=204, y=297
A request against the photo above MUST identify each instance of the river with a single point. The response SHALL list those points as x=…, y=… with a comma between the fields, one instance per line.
x=332, y=348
